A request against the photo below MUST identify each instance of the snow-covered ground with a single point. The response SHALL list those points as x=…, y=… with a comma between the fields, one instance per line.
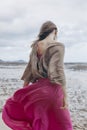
x=76, y=88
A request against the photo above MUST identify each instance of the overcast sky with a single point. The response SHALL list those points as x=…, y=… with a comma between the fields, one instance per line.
x=20, y=21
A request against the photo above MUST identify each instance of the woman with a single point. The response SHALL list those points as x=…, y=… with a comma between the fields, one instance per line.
x=41, y=105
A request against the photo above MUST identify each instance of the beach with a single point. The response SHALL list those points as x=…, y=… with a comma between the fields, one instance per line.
x=2, y=125
x=76, y=78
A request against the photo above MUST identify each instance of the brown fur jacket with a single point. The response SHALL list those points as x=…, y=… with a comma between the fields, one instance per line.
x=50, y=64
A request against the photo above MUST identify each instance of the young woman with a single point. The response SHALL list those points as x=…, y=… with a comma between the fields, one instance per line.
x=41, y=105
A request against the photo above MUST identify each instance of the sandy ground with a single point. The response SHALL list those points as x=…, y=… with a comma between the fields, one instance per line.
x=2, y=125
x=76, y=78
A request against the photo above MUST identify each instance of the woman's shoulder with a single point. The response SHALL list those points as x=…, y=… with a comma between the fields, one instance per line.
x=57, y=46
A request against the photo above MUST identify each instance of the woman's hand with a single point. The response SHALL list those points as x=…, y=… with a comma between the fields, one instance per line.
x=65, y=103
x=25, y=83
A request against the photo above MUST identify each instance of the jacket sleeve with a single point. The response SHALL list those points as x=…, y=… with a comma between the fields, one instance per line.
x=27, y=75
x=56, y=72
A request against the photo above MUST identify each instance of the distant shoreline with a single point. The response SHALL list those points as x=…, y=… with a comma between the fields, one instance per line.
x=24, y=62
x=12, y=63
x=71, y=66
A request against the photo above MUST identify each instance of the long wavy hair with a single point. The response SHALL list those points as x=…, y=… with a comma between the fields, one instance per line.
x=45, y=30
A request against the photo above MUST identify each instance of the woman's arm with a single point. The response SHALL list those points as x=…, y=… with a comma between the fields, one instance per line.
x=56, y=66
x=25, y=83
x=27, y=75
x=56, y=69
x=27, y=72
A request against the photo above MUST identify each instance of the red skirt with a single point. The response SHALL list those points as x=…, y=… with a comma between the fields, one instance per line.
x=37, y=107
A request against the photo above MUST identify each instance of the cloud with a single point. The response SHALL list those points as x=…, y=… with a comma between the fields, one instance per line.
x=21, y=20
x=76, y=53
x=14, y=53
x=73, y=34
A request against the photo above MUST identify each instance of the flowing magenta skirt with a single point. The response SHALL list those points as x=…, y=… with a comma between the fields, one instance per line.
x=37, y=107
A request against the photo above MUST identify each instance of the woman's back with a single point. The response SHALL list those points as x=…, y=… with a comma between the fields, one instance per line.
x=38, y=106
